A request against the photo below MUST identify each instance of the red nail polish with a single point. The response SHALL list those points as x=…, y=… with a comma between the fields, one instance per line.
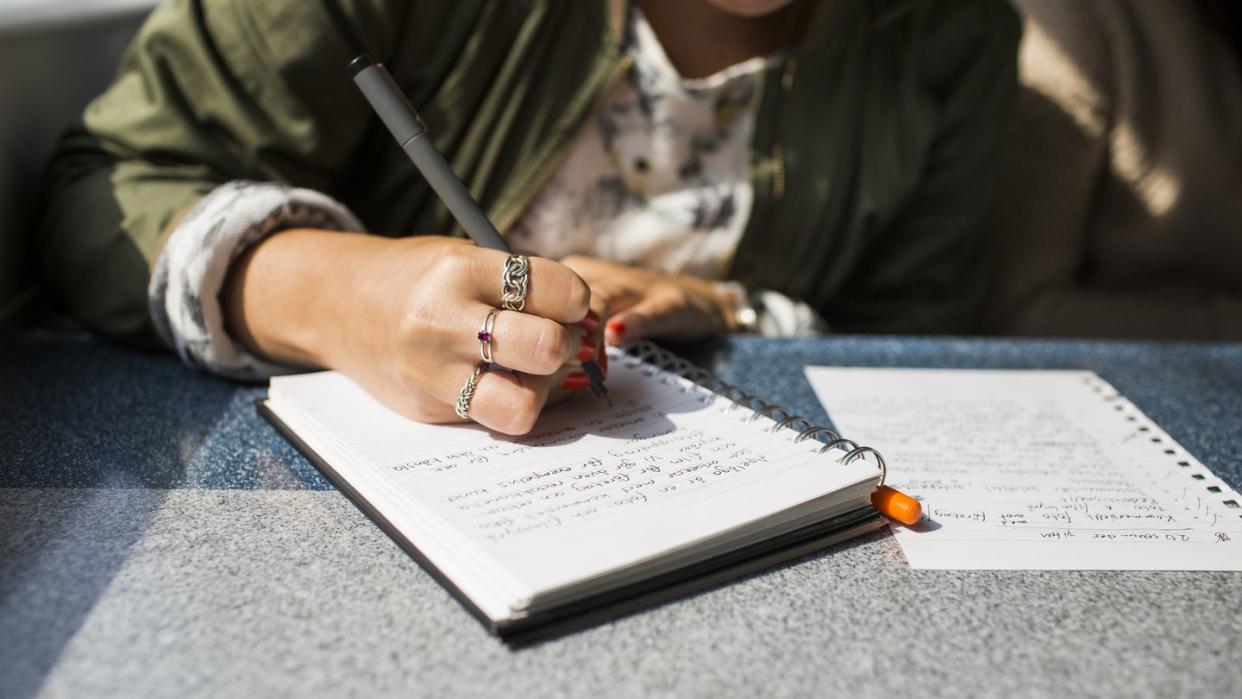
x=590, y=323
x=576, y=381
x=587, y=352
x=617, y=328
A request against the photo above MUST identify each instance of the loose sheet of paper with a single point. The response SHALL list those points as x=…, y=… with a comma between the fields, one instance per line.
x=1034, y=470
x=593, y=487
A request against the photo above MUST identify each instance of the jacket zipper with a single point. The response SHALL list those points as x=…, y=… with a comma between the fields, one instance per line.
x=778, y=148
x=505, y=222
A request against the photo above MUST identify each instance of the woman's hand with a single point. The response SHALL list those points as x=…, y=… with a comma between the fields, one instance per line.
x=647, y=304
x=401, y=317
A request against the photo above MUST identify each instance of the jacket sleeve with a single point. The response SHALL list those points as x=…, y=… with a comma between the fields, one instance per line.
x=208, y=92
x=926, y=272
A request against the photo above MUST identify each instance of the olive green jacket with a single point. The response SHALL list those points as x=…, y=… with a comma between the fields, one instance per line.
x=874, y=143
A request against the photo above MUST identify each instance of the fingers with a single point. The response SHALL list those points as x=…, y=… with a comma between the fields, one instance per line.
x=593, y=325
x=420, y=361
x=645, y=320
x=503, y=401
x=619, y=286
x=665, y=313
x=554, y=292
x=593, y=350
x=601, y=307
x=510, y=402
x=529, y=343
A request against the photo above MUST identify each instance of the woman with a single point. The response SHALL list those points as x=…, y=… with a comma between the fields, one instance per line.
x=829, y=159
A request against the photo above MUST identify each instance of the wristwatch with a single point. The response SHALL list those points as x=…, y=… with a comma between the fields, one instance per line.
x=744, y=313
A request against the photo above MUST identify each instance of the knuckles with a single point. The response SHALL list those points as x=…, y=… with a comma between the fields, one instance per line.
x=452, y=264
x=420, y=316
x=578, y=299
x=551, y=349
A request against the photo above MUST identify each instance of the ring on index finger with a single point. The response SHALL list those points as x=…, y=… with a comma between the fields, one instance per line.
x=515, y=282
x=485, y=336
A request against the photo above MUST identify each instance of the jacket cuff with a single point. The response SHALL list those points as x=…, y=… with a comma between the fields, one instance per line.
x=189, y=274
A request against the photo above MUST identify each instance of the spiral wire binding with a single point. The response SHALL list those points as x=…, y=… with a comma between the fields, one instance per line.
x=652, y=358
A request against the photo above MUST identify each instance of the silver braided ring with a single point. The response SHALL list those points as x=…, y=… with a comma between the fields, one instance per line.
x=467, y=391
x=514, y=282
x=485, y=336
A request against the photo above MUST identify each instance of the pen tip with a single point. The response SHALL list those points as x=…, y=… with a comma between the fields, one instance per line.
x=596, y=377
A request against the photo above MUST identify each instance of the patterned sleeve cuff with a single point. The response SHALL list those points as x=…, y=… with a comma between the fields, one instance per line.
x=184, y=293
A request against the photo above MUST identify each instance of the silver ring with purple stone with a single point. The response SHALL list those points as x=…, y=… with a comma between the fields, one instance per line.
x=485, y=336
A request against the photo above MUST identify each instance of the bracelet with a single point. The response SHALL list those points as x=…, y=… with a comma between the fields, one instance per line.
x=744, y=313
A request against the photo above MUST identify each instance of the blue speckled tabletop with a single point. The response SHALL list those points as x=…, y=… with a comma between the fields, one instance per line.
x=157, y=538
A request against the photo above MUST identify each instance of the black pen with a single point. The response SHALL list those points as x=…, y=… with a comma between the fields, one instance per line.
x=402, y=119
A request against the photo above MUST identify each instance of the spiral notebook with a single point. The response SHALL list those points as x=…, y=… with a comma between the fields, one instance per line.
x=682, y=483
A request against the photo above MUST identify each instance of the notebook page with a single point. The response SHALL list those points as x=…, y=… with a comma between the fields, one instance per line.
x=593, y=488
x=489, y=589
x=1035, y=470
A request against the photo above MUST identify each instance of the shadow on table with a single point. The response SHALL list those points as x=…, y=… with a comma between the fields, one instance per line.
x=91, y=439
x=83, y=414
x=61, y=549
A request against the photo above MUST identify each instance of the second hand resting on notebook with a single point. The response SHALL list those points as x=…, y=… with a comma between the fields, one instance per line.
x=649, y=304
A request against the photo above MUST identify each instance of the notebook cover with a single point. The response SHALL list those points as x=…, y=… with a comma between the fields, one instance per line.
x=623, y=600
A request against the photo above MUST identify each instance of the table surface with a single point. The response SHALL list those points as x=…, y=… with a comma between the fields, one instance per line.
x=157, y=538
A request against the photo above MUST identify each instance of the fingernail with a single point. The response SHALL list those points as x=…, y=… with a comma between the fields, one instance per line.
x=617, y=328
x=576, y=381
x=587, y=352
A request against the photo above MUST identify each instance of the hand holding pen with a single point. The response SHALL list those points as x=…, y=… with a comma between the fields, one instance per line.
x=403, y=121
x=395, y=110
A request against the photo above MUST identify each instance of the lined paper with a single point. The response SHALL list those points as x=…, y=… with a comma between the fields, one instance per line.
x=1035, y=470
x=593, y=488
